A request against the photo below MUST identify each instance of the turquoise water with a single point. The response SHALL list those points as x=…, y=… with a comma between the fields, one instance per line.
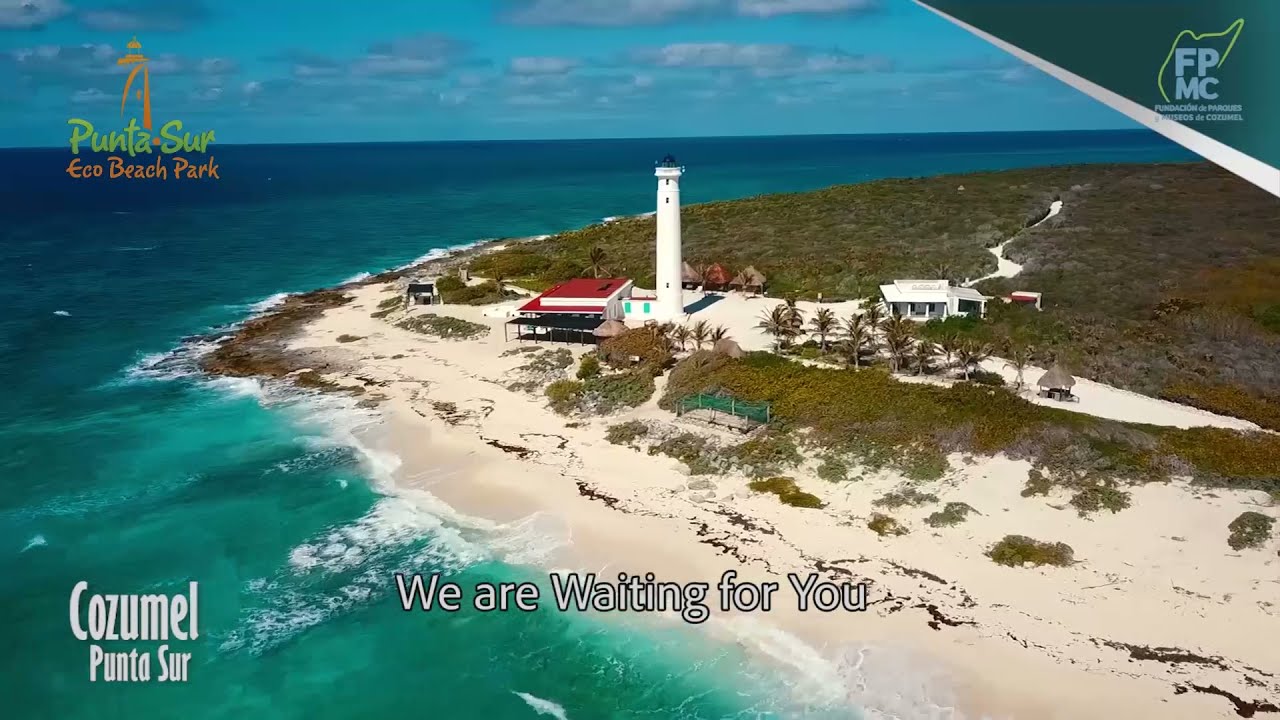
x=125, y=468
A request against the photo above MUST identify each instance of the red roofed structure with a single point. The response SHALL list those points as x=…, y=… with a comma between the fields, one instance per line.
x=570, y=311
x=591, y=296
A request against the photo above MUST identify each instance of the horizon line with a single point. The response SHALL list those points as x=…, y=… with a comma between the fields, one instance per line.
x=1137, y=130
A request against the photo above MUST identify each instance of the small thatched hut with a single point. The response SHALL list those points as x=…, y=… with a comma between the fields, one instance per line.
x=690, y=277
x=609, y=328
x=1057, y=382
x=716, y=277
x=749, y=280
x=725, y=346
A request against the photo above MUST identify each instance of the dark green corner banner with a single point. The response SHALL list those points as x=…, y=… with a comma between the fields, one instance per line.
x=1211, y=67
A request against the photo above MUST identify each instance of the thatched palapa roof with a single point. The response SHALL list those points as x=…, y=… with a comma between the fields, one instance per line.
x=609, y=328
x=751, y=277
x=716, y=274
x=725, y=346
x=690, y=275
x=1057, y=378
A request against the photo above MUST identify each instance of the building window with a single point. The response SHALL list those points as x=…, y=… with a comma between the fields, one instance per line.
x=646, y=308
x=626, y=307
x=667, y=181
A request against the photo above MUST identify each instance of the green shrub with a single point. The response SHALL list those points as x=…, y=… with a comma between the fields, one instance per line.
x=564, y=395
x=904, y=497
x=1017, y=550
x=953, y=513
x=626, y=433
x=449, y=283
x=787, y=491
x=395, y=302
x=609, y=393
x=767, y=454
x=621, y=350
x=690, y=449
x=344, y=338
x=833, y=469
x=1098, y=497
x=883, y=525
x=547, y=361
x=443, y=326
x=1250, y=530
x=589, y=367
x=1037, y=484
x=1229, y=400
x=485, y=293
x=985, y=377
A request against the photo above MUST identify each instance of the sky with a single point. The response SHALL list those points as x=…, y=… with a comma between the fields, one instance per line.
x=272, y=71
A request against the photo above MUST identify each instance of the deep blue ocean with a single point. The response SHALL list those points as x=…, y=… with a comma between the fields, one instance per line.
x=138, y=476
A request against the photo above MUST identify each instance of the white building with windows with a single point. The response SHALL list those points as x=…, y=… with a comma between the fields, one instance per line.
x=932, y=299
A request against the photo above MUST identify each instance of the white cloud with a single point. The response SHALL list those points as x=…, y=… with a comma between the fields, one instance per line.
x=763, y=60
x=605, y=13
x=92, y=96
x=28, y=14
x=542, y=65
x=772, y=8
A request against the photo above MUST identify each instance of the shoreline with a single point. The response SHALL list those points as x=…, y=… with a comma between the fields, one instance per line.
x=516, y=459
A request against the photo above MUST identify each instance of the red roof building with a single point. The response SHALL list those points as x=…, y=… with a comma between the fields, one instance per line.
x=582, y=296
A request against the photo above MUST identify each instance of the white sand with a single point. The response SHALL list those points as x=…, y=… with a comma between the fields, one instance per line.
x=1043, y=643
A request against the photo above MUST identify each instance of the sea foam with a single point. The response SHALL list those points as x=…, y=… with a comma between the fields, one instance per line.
x=542, y=706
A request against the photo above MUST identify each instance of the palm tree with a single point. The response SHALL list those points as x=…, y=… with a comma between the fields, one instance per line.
x=873, y=314
x=949, y=343
x=898, y=333
x=970, y=353
x=923, y=355
x=857, y=336
x=596, y=262
x=824, y=323
x=778, y=323
x=794, y=317
x=699, y=333
x=718, y=333
x=1019, y=359
x=680, y=336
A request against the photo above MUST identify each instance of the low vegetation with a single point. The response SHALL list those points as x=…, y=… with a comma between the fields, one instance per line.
x=444, y=326
x=1250, y=530
x=953, y=513
x=903, y=498
x=1020, y=550
x=833, y=469
x=389, y=305
x=455, y=292
x=1159, y=278
x=787, y=491
x=626, y=433
x=602, y=394
x=885, y=525
x=345, y=338
x=1094, y=498
x=589, y=367
x=878, y=421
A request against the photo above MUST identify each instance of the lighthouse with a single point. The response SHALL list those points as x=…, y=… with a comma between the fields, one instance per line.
x=670, y=261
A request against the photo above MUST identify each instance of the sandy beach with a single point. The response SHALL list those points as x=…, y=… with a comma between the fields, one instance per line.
x=1157, y=618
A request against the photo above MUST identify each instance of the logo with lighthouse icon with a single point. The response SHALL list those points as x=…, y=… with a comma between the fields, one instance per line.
x=139, y=150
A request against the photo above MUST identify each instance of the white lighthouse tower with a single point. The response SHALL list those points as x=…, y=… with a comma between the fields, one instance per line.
x=670, y=261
